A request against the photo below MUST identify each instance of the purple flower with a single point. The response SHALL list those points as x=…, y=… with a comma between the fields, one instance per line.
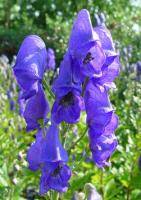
x=84, y=45
x=66, y=80
x=50, y=59
x=34, y=155
x=55, y=176
x=48, y=154
x=67, y=108
x=30, y=65
x=103, y=145
x=98, y=107
x=36, y=108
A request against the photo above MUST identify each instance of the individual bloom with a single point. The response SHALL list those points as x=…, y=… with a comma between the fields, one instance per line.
x=90, y=58
x=21, y=104
x=46, y=149
x=84, y=45
x=104, y=145
x=50, y=59
x=66, y=80
x=36, y=108
x=98, y=107
x=67, y=108
x=55, y=175
x=30, y=65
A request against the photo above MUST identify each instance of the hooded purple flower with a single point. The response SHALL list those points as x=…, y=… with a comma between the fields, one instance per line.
x=30, y=65
x=36, y=108
x=48, y=154
x=68, y=103
x=98, y=107
x=67, y=108
x=102, y=146
x=50, y=59
x=84, y=45
x=66, y=80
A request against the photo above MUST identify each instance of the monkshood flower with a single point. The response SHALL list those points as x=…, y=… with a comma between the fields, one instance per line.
x=68, y=103
x=84, y=46
x=102, y=146
x=50, y=59
x=36, y=108
x=48, y=155
x=98, y=107
x=67, y=108
x=102, y=122
x=66, y=80
x=30, y=65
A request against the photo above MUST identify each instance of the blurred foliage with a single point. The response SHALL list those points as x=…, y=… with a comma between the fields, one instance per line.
x=52, y=20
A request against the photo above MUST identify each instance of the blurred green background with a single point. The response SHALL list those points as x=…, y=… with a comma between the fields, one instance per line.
x=52, y=21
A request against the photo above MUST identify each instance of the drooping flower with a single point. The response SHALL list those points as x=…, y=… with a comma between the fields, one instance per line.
x=51, y=160
x=30, y=65
x=68, y=103
x=36, y=108
x=55, y=176
x=103, y=145
x=50, y=59
x=84, y=45
x=102, y=123
x=98, y=107
x=67, y=108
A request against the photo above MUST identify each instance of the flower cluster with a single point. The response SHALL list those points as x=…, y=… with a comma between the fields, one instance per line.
x=86, y=73
x=88, y=69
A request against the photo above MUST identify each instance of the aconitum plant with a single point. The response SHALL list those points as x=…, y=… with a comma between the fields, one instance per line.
x=86, y=73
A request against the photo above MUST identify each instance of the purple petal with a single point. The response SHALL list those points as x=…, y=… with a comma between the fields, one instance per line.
x=36, y=108
x=98, y=107
x=82, y=31
x=66, y=80
x=67, y=108
x=53, y=150
x=30, y=63
x=55, y=176
x=105, y=38
x=34, y=155
x=103, y=146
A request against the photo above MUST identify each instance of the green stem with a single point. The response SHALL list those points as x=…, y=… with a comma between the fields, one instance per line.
x=48, y=89
x=84, y=85
x=73, y=145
